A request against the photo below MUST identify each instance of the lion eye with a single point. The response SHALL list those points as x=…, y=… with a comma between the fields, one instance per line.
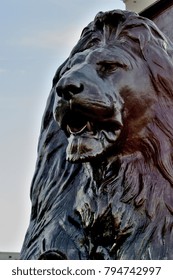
x=108, y=67
x=94, y=42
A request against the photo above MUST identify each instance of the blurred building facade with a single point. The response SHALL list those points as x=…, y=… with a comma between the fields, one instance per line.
x=9, y=256
x=138, y=5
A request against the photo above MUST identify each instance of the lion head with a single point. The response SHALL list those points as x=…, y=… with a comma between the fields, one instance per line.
x=113, y=98
x=107, y=92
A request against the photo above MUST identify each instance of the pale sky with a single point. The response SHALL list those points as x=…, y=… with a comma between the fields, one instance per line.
x=36, y=37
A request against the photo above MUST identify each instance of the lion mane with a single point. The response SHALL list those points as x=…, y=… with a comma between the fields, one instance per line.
x=120, y=206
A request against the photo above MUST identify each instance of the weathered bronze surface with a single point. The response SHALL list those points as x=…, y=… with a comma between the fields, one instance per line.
x=103, y=185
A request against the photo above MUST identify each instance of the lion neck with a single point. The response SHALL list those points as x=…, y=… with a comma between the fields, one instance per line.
x=100, y=169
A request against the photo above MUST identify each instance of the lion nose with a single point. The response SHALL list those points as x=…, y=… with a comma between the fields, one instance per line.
x=66, y=88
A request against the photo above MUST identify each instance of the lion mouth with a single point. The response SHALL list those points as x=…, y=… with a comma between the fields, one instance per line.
x=75, y=130
x=77, y=124
x=89, y=135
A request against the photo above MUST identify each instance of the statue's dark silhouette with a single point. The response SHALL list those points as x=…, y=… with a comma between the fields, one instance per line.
x=103, y=185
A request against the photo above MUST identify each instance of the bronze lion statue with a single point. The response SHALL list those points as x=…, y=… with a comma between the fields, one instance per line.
x=103, y=185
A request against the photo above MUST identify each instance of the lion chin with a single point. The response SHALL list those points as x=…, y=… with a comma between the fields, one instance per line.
x=88, y=146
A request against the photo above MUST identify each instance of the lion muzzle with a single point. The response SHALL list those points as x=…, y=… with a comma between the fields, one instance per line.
x=87, y=110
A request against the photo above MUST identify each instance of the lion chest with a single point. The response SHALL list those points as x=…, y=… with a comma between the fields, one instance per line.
x=100, y=212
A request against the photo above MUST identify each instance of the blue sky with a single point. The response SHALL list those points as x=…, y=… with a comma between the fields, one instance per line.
x=36, y=37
